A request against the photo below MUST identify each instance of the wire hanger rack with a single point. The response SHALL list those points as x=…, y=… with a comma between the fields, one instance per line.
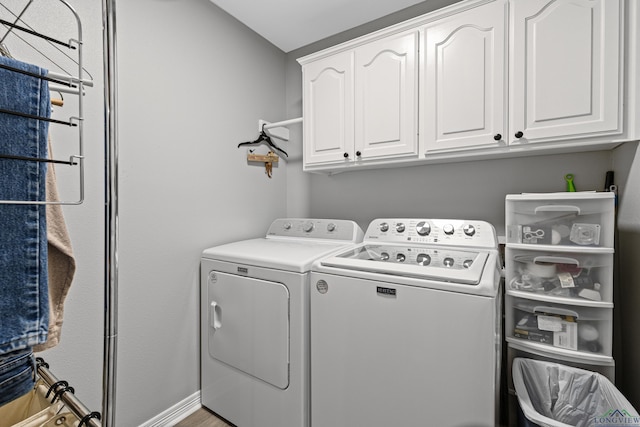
x=72, y=82
x=68, y=79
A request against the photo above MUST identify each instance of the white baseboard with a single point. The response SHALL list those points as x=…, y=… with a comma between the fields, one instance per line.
x=176, y=413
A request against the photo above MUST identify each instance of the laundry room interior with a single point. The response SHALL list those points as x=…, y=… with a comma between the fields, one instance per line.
x=189, y=82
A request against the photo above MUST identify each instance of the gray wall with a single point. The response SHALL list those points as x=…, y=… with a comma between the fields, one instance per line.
x=627, y=315
x=473, y=190
x=193, y=83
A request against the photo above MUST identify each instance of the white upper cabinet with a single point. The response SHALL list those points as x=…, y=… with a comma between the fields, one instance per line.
x=463, y=83
x=386, y=88
x=361, y=103
x=328, y=109
x=478, y=79
x=565, y=69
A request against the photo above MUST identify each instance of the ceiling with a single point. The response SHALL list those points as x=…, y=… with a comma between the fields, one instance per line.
x=290, y=24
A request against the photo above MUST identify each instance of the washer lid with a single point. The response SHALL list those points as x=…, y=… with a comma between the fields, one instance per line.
x=423, y=262
x=283, y=254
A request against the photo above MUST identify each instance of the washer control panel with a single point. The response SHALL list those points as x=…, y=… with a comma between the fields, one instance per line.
x=332, y=229
x=433, y=231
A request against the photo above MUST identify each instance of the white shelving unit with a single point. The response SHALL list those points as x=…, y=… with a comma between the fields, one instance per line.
x=559, y=279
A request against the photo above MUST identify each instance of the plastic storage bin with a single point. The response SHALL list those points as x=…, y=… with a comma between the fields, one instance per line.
x=556, y=395
x=573, y=276
x=564, y=328
x=582, y=220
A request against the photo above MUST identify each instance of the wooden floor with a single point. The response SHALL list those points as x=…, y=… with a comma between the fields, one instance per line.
x=202, y=418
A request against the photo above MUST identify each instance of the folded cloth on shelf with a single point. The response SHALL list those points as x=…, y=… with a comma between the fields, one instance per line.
x=62, y=264
x=24, y=301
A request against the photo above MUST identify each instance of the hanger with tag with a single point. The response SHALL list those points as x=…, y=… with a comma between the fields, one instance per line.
x=264, y=137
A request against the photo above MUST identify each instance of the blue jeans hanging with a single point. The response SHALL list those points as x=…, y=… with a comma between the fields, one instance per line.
x=24, y=311
x=17, y=375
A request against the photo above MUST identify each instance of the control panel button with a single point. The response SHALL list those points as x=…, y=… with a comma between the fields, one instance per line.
x=307, y=227
x=384, y=227
x=423, y=259
x=423, y=228
x=331, y=227
x=400, y=258
x=448, y=229
x=469, y=229
x=400, y=227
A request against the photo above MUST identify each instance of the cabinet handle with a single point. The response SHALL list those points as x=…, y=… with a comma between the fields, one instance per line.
x=497, y=137
x=519, y=134
x=358, y=153
x=346, y=155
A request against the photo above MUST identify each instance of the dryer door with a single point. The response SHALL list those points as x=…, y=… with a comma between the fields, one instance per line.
x=249, y=326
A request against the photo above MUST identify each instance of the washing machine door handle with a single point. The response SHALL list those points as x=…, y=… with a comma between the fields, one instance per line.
x=215, y=316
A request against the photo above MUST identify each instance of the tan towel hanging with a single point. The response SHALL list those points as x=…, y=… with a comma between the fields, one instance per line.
x=62, y=264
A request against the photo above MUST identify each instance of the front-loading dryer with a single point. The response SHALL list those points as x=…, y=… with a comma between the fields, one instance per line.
x=255, y=321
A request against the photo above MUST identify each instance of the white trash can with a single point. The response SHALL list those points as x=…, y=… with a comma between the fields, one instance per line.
x=556, y=395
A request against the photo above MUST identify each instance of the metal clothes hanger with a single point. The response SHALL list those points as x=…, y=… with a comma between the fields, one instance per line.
x=52, y=42
x=264, y=138
x=30, y=116
x=4, y=50
x=70, y=162
x=59, y=82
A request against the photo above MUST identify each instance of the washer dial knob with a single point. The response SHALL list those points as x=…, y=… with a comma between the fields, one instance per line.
x=448, y=262
x=331, y=227
x=287, y=226
x=400, y=227
x=400, y=258
x=423, y=228
x=384, y=256
x=448, y=229
x=384, y=227
x=307, y=227
x=423, y=259
x=469, y=229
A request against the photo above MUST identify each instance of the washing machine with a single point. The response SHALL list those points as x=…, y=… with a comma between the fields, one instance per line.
x=255, y=321
x=406, y=327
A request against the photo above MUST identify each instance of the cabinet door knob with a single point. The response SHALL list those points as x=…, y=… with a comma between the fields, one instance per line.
x=497, y=137
x=346, y=155
x=358, y=153
x=519, y=134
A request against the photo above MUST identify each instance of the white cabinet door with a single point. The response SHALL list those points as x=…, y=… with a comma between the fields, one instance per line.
x=463, y=85
x=565, y=69
x=328, y=109
x=386, y=97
